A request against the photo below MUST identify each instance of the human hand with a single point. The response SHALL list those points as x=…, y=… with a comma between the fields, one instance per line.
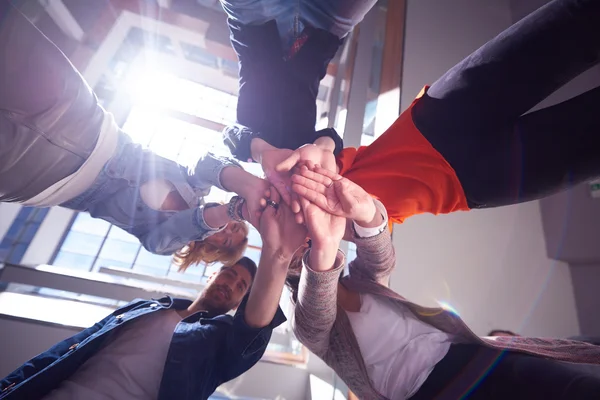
x=281, y=235
x=269, y=160
x=254, y=196
x=334, y=194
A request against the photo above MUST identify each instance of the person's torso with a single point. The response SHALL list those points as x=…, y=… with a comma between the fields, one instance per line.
x=400, y=357
x=403, y=170
x=130, y=366
x=115, y=194
x=195, y=353
x=279, y=92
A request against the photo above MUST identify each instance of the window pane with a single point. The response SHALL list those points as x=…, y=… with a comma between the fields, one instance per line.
x=86, y=224
x=72, y=260
x=148, y=259
x=82, y=243
x=141, y=269
x=211, y=269
x=102, y=262
x=119, y=250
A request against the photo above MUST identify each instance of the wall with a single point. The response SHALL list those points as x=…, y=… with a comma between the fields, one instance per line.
x=491, y=265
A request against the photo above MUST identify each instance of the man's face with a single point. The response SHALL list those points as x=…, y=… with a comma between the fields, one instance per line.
x=227, y=289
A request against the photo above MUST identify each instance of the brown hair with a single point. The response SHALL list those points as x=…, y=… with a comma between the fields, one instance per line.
x=202, y=251
x=292, y=280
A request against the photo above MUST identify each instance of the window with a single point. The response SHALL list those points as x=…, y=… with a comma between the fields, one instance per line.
x=20, y=234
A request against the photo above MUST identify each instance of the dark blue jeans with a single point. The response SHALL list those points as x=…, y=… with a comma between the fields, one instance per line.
x=476, y=373
x=474, y=115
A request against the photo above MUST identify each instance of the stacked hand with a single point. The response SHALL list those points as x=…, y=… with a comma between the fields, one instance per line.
x=278, y=165
x=281, y=235
x=334, y=194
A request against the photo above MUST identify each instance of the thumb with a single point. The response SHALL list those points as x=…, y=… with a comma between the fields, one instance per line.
x=288, y=163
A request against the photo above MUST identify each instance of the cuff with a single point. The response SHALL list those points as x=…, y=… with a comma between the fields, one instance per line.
x=340, y=263
x=201, y=222
x=363, y=232
x=238, y=139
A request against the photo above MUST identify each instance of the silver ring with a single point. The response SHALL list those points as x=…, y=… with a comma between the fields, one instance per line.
x=271, y=203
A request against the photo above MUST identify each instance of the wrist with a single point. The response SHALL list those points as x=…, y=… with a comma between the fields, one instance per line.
x=322, y=257
x=257, y=147
x=325, y=143
x=370, y=219
x=236, y=179
x=277, y=254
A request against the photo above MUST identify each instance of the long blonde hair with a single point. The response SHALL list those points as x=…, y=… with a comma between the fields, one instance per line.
x=202, y=251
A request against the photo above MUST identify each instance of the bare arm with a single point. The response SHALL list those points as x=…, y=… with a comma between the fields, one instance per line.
x=281, y=237
x=267, y=288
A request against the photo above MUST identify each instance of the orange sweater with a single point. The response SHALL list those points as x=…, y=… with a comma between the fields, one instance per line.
x=403, y=170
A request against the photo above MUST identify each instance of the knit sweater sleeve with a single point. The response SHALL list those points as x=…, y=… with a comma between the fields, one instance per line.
x=316, y=307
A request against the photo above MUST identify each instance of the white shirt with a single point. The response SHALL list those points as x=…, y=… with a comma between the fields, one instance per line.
x=130, y=367
x=81, y=180
x=400, y=357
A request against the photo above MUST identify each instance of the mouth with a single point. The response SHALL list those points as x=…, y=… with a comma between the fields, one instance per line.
x=224, y=293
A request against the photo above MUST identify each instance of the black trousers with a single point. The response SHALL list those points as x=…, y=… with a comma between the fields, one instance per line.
x=474, y=114
x=477, y=373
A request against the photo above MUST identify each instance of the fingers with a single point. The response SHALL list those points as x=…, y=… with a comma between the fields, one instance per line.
x=289, y=163
x=283, y=191
x=310, y=184
x=275, y=195
x=314, y=176
x=311, y=195
x=329, y=174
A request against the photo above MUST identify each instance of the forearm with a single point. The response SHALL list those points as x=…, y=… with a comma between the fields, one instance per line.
x=316, y=308
x=322, y=257
x=217, y=217
x=238, y=180
x=208, y=171
x=267, y=288
x=257, y=147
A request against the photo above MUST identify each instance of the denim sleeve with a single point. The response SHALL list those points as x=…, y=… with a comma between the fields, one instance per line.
x=245, y=345
x=207, y=171
x=175, y=233
x=238, y=138
x=45, y=359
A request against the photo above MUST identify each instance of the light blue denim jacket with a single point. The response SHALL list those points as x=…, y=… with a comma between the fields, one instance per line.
x=115, y=196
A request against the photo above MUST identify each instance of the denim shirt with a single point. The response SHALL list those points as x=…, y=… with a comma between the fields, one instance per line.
x=115, y=196
x=204, y=352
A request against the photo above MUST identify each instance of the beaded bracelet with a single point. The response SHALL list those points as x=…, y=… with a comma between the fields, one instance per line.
x=232, y=210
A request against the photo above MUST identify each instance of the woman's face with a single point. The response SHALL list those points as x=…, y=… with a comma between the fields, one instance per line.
x=232, y=236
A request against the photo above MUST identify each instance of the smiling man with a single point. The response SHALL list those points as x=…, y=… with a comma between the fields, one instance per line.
x=173, y=348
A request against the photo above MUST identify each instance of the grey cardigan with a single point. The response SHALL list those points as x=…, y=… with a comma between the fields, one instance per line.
x=323, y=326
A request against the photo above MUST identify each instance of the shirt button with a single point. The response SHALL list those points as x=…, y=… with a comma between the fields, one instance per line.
x=74, y=346
x=119, y=317
x=153, y=305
